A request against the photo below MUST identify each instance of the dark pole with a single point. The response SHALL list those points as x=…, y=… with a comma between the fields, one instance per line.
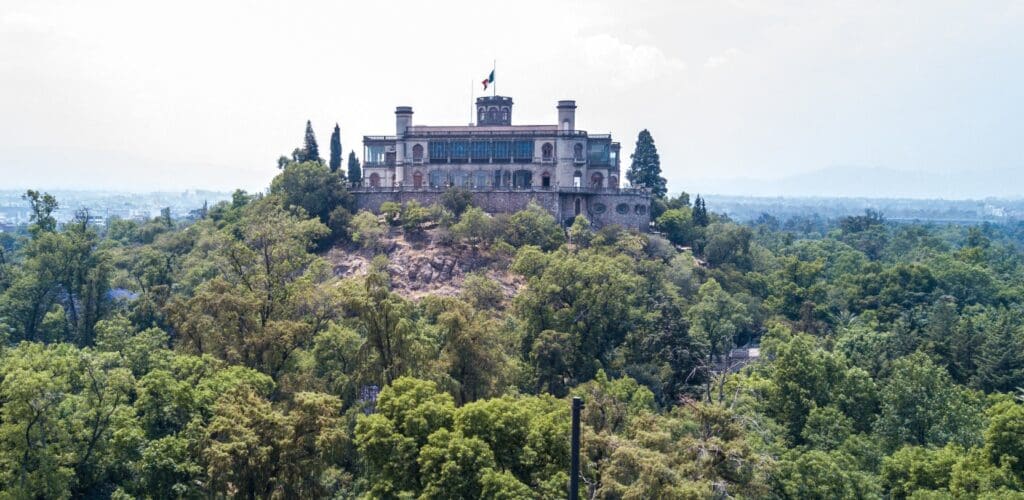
x=574, y=474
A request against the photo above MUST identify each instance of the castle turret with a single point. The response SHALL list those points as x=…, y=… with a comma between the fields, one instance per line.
x=403, y=119
x=567, y=116
x=493, y=110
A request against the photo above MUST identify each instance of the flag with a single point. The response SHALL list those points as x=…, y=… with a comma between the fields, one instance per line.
x=489, y=80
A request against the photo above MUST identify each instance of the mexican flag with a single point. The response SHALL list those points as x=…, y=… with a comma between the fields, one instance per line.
x=489, y=80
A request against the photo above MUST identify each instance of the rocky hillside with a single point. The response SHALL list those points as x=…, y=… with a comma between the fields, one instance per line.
x=427, y=267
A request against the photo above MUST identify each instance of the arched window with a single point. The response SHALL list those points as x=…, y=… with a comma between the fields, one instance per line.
x=504, y=113
x=374, y=180
x=597, y=180
x=417, y=153
x=613, y=181
x=579, y=206
x=577, y=179
x=481, y=114
x=545, y=179
x=547, y=151
x=577, y=152
x=492, y=114
x=417, y=179
x=565, y=125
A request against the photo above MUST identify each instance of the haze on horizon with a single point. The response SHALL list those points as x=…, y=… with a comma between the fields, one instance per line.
x=741, y=97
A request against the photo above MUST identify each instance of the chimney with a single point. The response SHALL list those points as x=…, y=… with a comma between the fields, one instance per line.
x=403, y=119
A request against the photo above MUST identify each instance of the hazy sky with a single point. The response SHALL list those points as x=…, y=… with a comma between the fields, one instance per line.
x=171, y=95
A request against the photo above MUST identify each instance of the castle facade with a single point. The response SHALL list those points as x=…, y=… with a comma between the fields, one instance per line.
x=565, y=170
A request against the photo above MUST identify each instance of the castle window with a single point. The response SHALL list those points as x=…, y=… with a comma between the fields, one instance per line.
x=438, y=151
x=459, y=150
x=481, y=179
x=579, y=205
x=481, y=114
x=565, y=125
x=504, y=114
x=417, y=179
x=545, y=179
x=374, y=180
x=613, y=181
x=598, y=208
x=577, y=152
x=481, y=151
x=460, y=179
x=597, y=180
x=622, y=208
x=547, y=151
x=492, y=114
x=502, y=151
x=417, y=153
x=437, y=178
x=577, y=179
x=522, y=179
x=523, y=151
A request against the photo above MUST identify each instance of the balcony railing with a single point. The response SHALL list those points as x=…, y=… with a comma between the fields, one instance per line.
x=500, y=189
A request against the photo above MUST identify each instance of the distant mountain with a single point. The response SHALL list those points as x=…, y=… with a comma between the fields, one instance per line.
x=874, y=182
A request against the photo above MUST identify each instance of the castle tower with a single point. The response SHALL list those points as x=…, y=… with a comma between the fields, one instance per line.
x=567, y=116
x=493, y=110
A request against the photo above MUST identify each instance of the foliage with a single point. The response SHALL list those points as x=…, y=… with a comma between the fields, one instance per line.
x=645, y=170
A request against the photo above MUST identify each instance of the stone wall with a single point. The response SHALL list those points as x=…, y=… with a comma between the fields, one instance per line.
x=627, y=209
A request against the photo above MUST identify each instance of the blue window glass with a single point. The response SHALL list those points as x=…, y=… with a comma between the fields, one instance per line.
x=502, y=150
x=523, y=150
x=460, y=150
x=598, y=152
x=481, y=150
x=481, y=179
x=438, y=150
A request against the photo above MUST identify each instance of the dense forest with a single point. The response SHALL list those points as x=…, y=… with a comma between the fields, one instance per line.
x=226, y=358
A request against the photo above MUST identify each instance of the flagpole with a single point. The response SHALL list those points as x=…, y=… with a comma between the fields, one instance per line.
x=472, y=85
x=494, y=70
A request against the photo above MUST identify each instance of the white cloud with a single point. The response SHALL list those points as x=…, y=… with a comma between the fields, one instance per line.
x=721, y=59
x=624, y=64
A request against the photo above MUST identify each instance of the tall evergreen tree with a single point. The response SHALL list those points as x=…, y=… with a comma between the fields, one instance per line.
x=311, y=152
x=646, y=168
x=336, y=149
x=700, y=212
x=355, y=174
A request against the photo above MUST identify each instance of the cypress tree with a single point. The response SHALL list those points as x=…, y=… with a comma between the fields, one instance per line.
x=646, y=167
x=700, y=212
x=311, y=152
x=336, y=149
x=355, y=174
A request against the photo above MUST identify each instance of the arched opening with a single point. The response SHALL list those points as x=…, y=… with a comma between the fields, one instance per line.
x=613, y=181
x=565, y=125
x=545, y=179
x=577, y=152
x=504, y=113
x=577, y=179
x=374, y=180
x=579, y=206
x=481, y=114
x=417, y=179
x=492, y=114
x=547, y=151
x=597, y=180
x=417, y=153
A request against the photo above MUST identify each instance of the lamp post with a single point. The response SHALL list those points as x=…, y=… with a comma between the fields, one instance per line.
x=574, y=474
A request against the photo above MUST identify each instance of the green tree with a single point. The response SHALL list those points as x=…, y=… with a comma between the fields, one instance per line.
x=645, y=170
x=920, y=405
x=355, y=173
x=310, y=151
x=534, y=226
x=312, y=187
x=715, y=320
x=335, y=161
x=457, y=200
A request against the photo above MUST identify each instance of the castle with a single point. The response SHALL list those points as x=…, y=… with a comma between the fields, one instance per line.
x=565, y=170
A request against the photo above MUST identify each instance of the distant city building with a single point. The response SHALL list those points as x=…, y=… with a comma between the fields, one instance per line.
x=567, y=171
